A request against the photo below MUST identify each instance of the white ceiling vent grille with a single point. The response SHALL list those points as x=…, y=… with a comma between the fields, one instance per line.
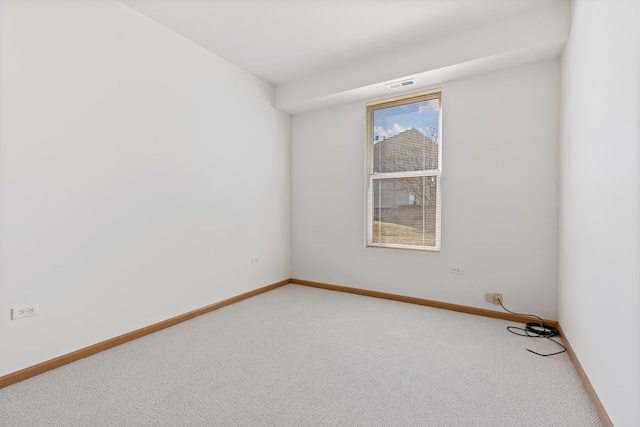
x=403, y=83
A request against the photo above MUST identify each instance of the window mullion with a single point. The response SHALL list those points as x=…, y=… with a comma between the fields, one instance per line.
x=407, y=174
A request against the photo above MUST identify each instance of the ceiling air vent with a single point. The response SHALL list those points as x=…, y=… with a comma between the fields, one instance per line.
x=403, y=83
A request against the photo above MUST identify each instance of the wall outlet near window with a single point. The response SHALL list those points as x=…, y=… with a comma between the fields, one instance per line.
x=26, y=311
x=494, y=298
x=455, y=270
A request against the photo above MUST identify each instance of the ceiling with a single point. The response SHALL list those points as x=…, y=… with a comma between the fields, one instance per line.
x=291, y=43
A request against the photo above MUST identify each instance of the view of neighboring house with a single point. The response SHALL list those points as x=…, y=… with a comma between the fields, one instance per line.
x=405, y=201
x=407, y=151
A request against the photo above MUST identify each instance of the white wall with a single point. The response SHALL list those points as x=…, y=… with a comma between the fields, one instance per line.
x=600, y=201
x=139, y=174
x=535, y=35
x=499, y=205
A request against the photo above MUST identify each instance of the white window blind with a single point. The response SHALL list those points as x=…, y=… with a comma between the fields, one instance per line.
x=404, y=156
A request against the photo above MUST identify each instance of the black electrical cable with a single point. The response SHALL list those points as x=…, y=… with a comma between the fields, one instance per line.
x=535, y=330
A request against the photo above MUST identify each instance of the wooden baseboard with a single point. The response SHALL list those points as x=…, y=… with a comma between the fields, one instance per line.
x=426, y=302
x=604, y=417
x=104, y=345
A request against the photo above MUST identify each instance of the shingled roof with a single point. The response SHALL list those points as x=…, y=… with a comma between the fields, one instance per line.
x=407, y=151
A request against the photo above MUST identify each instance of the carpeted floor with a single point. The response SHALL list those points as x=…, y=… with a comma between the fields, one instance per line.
x=299, y=356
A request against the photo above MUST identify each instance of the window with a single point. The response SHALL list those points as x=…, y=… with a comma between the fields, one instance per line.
x=404, y=157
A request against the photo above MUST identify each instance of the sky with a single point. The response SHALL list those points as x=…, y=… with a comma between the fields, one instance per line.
x=388, y=122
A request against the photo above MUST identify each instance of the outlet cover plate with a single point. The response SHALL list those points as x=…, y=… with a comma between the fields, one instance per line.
x=26, y=311
x=455, y=270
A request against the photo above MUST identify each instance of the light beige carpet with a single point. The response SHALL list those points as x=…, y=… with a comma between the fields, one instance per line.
x=298, y=356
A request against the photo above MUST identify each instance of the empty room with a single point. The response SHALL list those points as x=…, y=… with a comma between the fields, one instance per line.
x=318, y=213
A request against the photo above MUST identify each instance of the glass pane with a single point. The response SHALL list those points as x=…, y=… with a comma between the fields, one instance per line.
x=406, y=137
x=404, y=211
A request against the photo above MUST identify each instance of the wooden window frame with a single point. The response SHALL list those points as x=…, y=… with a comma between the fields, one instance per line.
x=371, y=107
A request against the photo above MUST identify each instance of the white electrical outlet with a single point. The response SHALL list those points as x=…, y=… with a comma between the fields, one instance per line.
x=455, y=270
x=26, y=311
x=255, y=260
x=497, y=298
